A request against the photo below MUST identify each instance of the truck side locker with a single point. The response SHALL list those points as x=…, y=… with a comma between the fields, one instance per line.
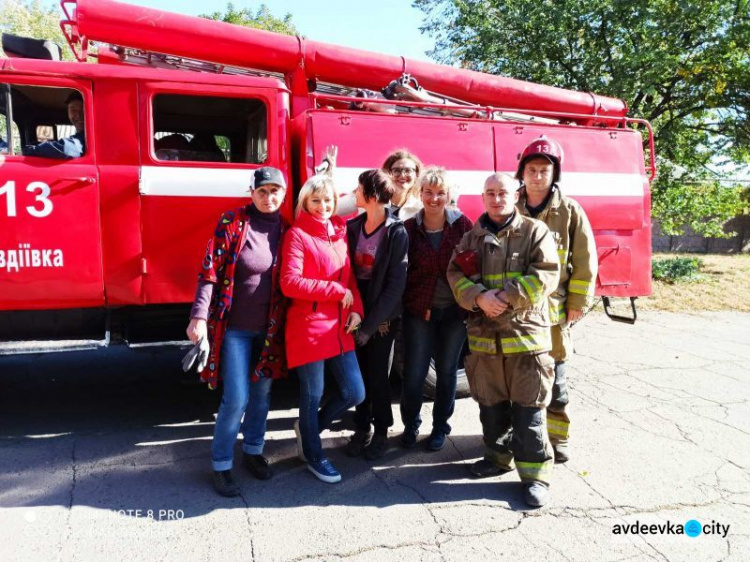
x=604, y=171
x=464, y=148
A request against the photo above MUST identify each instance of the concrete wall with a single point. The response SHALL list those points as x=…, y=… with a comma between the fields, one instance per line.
x=692, y=242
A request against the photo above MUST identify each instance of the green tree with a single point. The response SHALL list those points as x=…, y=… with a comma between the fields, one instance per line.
x=684, y=66
x=259, y=19
x=33, y=18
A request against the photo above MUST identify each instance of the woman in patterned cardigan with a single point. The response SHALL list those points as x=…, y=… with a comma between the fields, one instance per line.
x=240, y=309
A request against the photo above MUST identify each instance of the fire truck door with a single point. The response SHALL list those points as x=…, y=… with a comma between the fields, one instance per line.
x=199, y=146
x=365, y=140
x=50, y=235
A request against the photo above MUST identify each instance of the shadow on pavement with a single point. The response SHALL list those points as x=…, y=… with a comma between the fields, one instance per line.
x=119, y=429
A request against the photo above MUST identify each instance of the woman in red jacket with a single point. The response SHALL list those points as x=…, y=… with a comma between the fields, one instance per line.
x=325, y=309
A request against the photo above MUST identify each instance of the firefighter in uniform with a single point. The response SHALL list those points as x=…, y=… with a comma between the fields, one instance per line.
x=503, y=272
x=539, y=170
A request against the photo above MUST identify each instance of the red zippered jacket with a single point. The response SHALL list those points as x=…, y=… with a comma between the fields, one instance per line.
x=315, y=273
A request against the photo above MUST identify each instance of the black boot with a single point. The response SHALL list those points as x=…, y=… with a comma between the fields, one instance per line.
x=224, y=484
x=257, y=465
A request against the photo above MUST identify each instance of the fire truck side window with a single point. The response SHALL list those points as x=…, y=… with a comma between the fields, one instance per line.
x=40, y=121
x=209, y=129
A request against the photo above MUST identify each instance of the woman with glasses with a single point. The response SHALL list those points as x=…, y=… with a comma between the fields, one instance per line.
x=404, y=169
x=433, y=322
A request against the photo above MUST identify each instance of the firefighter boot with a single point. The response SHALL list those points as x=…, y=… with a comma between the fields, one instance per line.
x=558, y=422
x=533, y=452
x=496, y=432
x=536, y=493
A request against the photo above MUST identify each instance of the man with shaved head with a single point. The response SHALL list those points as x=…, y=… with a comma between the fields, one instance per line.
x=502, y=272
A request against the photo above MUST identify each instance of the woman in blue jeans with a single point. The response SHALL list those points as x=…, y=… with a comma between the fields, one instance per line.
x=433, y=322
x=324, y=311
x=239, y=308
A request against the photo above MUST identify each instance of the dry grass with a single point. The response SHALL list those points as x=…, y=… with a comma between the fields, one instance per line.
x=724, y=285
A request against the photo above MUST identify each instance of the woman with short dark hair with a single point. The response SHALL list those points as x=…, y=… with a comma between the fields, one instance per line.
x=378, y=246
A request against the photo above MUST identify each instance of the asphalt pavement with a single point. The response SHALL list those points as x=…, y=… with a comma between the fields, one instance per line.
x=104, y=456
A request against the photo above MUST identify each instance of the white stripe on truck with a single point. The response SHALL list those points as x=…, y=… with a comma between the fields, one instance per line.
x=169, y=181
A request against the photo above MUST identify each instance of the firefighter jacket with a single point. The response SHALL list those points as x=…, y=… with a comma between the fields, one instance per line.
x=576, y=250
x=520, y=259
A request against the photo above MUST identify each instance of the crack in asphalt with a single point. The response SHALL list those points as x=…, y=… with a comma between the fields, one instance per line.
x=547, y=544
x=652, y=547
x=71, y=499
x=249, y=526
x=353, y=553
x=429, y=547
x=453, y=443
x=423, y=500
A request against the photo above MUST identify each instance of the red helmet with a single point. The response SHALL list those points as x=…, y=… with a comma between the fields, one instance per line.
x=549, y=149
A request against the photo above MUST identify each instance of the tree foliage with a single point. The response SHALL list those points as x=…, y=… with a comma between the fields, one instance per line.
x=684, y=66
x=32, y=18
x=259, y=19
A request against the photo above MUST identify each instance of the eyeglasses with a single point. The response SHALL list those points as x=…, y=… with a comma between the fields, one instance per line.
x=403, y=171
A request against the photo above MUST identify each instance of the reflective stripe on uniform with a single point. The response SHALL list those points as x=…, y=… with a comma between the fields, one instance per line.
x=557, y=313
x=482, y=345
x=580, y=287
x=562, y=253
x=462, y=285
x=526, y=344
x=541, y=471
x=558, y=428
x=495, y=280
x=533, y=287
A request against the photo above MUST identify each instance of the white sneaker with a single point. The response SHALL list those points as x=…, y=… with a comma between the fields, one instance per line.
x=300, y=451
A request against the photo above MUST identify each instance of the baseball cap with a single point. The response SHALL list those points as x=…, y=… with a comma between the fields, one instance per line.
x=266, y=175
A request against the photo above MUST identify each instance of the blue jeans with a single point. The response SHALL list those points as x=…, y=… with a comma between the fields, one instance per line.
x=345, y=370
x=441, y=337
x=240, y=352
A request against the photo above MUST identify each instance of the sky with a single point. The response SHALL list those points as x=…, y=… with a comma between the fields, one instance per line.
x=383, y=26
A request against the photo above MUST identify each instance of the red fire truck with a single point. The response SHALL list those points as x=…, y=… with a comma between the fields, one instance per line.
x=180, y=110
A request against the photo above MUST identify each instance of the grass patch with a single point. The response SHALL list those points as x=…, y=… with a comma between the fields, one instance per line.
x=722, y=284
x=672, y=270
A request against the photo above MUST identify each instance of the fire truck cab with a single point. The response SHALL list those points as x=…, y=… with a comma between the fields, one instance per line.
x=124, y=224
x=106, y=245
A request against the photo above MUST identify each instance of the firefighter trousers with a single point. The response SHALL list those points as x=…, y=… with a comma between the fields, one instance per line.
x=558, y=422
x=512, y=432
x=513, y=392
